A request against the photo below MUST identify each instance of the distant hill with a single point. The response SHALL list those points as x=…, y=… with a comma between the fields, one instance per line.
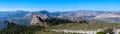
x=25, y=17
x=12, y=14
x=75, y=20
x=106, y=16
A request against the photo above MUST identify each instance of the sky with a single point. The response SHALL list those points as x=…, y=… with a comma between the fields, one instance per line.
x=59, y=5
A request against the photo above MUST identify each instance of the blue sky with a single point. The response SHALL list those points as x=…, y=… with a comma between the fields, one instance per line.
x=59, y=5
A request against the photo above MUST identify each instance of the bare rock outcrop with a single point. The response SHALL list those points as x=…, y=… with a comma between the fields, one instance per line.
x=37, y=20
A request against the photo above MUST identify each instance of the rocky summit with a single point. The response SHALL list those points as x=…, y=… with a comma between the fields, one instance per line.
x=37, y=20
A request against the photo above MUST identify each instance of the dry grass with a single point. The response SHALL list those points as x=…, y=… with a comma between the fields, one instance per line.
x=84, y=26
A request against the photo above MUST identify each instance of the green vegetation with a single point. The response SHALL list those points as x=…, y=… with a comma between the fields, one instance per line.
x=100, y=33
x=84, y=26
x=109, y=30
x=13, y=28
x=57, y=23
x=20, y=29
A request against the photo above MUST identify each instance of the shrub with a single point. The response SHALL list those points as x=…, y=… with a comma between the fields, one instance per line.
x=100, y=33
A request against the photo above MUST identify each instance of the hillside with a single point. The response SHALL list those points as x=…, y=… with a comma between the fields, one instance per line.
x=13, y=14
x=84, y=26
x=54, y=18
x=25, y=16
x=55, y=23
x=12, y=28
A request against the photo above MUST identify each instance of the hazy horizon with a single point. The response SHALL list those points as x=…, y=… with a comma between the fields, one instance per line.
x=58, y=11
x=59, y=5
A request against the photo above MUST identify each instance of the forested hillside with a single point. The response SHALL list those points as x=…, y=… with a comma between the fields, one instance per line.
x=13, y=28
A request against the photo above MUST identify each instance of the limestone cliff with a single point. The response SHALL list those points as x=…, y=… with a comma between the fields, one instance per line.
x=37, y=20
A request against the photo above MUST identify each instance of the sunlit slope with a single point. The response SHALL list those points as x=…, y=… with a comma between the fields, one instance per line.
x=84, y=26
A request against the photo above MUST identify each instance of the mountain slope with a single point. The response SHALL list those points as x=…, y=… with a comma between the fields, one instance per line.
x=12, y=14
x=37, y=20
x=3, y=23
x=25, y=17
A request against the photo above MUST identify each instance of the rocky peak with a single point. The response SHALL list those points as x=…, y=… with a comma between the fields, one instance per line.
x=37, y=20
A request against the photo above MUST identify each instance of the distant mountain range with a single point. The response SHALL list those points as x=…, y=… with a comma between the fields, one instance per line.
x=12, y=14
x=25, y=17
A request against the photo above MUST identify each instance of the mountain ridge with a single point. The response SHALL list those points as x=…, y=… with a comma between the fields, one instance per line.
x=26, y=16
